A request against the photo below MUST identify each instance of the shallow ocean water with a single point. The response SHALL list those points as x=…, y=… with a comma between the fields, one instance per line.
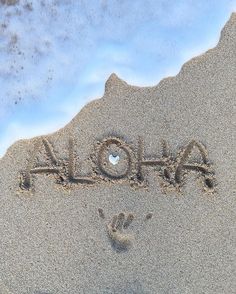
x=57, y=55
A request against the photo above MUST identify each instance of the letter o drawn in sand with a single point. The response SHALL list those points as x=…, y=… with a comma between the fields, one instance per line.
x=120, y=166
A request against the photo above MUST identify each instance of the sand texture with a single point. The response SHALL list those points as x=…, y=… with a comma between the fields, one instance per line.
x=137, y=194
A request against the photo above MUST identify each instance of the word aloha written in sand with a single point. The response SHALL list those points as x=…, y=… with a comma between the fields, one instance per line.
x=116, y=161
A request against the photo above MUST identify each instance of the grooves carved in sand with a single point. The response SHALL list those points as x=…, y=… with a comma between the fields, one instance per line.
x=131, y=167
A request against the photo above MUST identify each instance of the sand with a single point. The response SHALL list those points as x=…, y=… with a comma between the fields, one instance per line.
x=135, y=195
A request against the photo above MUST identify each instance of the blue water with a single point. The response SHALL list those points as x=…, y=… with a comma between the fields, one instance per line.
x=55, y=59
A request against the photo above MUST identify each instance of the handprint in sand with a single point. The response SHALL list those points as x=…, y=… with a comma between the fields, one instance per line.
x=116, y=230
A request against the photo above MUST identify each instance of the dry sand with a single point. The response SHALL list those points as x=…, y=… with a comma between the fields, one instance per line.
x=161, y=219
